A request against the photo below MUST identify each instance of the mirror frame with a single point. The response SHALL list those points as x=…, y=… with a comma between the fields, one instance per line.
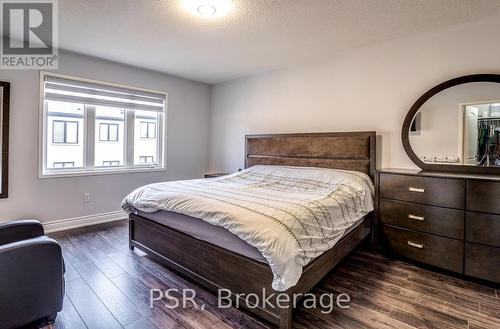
x=405, y=132
x=4, y=193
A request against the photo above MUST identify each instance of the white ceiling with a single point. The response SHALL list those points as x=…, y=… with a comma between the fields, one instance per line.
x=258, y=35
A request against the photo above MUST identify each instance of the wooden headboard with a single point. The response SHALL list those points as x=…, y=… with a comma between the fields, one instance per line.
x=338, y=150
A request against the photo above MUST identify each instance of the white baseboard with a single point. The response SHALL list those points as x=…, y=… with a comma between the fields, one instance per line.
x=76, y=222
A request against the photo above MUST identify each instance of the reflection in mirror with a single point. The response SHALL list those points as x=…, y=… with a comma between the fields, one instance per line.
x=459, y=126
x=4, y=137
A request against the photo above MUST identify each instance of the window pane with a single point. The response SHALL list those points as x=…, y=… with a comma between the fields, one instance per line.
x=144, y=129
x=151, y=130
x=72, y=132
x=110, y=163
x=64, y=164
x=113, y=133
x=110, y=148
x=145, y=141
x=103, y=132
x=63, y=136
x=147, y=159
x=58, y=129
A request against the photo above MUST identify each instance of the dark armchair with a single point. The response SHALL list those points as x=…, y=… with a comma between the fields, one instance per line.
x=31, y=274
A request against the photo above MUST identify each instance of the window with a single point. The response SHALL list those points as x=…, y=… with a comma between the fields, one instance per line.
x=146, y=159
x=64, y=132
x=148, y=130
x=108, y=132
x=110, y=163
x=63, y=164
x=89, y=126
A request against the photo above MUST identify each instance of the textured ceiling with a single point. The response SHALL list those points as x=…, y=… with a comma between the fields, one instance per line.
x=258, y=35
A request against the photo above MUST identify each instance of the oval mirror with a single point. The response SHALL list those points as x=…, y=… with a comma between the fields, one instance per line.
x=455, y=126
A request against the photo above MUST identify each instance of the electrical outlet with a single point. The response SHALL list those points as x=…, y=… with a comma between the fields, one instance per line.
x=86, y=197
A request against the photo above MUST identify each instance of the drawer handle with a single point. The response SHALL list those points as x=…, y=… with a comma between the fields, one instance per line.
x=420, y=218
x=414, y=189
x=415, y=245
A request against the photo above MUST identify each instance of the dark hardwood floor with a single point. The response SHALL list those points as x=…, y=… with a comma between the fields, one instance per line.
x=107, y=286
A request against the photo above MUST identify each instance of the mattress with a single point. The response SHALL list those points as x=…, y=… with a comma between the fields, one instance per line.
x=291, y=215
x=215, y=235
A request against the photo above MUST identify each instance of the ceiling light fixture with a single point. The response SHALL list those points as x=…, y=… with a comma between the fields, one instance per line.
x=208, y=8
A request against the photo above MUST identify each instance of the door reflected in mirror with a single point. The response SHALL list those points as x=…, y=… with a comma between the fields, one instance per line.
x=459, y=126
x=482, y=134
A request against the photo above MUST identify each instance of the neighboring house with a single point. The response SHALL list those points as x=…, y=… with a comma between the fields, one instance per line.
x=65, y=136
x=146, y=139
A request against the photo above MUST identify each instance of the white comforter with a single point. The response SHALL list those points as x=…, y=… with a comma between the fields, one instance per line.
x=290, y=214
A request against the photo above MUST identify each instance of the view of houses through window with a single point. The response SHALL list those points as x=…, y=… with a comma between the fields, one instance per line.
x=64, y=135
x=66, y=142
x=110, y=137
x=65, y=132
x=110, y=163
x=64, y=164
x=108, y=132
x=146, y=159
x=148, y=129
x=91, y=135
x=145, y=141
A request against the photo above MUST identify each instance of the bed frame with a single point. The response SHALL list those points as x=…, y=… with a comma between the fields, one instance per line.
x=217, y=268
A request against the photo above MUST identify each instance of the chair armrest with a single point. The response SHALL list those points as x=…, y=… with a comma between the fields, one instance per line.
x=20, y=230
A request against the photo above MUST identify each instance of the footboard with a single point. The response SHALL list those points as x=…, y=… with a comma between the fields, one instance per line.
x=218, y=268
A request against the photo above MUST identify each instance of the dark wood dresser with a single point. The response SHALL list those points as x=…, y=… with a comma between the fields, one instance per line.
x=450, y=221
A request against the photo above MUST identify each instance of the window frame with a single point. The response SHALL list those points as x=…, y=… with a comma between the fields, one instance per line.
x=65, y=142
x=90, y=169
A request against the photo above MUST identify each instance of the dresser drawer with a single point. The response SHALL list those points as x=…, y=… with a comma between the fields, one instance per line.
x=483, y=196
x=431, y=249
x=429, y=219
x=427, y=190
x=483, y=228
x=482, y=262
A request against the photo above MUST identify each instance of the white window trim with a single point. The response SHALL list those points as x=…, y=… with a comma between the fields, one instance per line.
x=43, y=173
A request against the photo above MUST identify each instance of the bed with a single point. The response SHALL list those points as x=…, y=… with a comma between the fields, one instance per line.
x=218, y=259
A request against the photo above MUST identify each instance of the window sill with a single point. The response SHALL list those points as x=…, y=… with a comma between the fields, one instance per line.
x=100, y=172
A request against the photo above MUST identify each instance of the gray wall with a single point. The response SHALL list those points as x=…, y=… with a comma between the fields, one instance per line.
x=368, y=88
x=62, y=198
